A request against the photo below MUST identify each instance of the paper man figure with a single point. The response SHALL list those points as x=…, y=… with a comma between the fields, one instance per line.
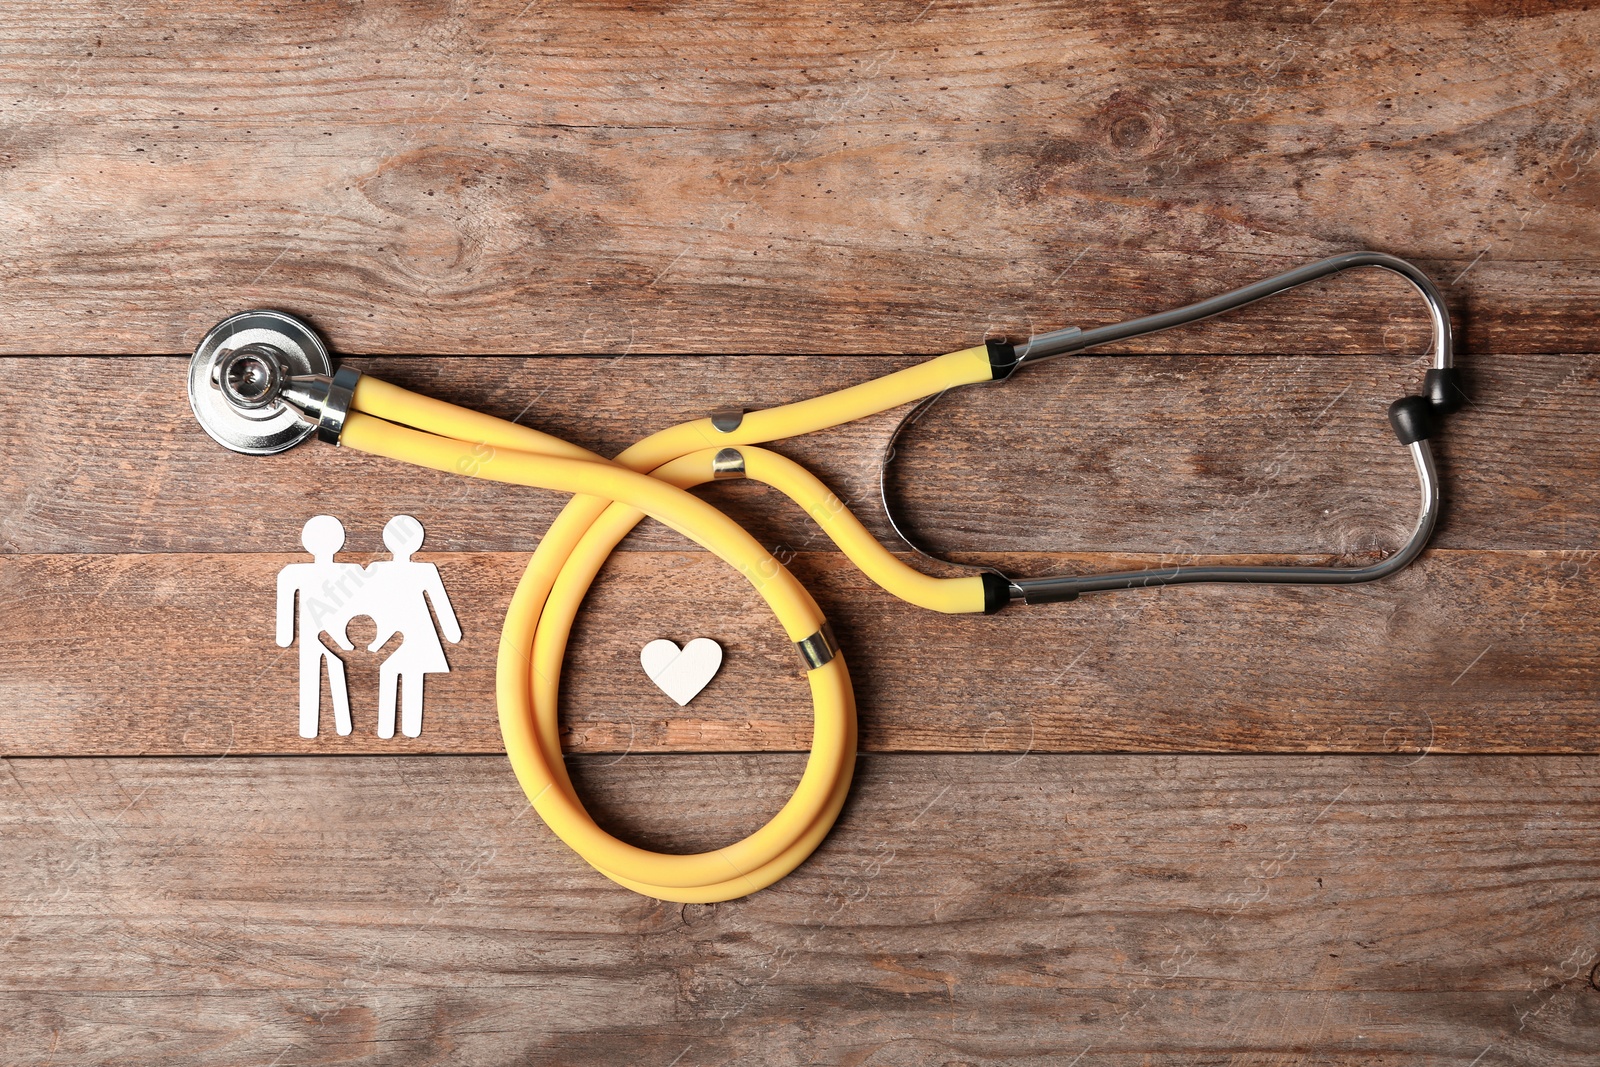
x=326, y=592
x=396, y=594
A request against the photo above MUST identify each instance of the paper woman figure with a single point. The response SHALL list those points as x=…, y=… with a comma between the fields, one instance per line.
x=396, y=595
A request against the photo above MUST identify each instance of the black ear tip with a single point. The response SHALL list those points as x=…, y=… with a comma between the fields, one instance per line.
x=1412, y=419
x=1443, y=390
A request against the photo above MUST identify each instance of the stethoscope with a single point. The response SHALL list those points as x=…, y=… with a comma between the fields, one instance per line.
x=262, y=381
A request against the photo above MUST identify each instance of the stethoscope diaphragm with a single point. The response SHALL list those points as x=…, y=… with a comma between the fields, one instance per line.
x=233, y=359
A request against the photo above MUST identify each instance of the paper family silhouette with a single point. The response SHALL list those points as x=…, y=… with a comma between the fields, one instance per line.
x=394, y=593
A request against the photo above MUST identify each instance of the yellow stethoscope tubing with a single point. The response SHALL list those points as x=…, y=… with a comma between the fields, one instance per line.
x=832, y=697
x=537, y=762
x=609, y=498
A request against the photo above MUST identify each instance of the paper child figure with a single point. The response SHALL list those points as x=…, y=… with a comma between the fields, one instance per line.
x=326, y=591
x=396, y=594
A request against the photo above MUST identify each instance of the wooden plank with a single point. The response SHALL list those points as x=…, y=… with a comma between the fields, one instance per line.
x=1463, y=652
x=862, y=178
x=1171, y=454
x=1124, y=910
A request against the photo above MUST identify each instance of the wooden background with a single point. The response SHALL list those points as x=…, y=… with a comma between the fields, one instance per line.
x=1204, y=825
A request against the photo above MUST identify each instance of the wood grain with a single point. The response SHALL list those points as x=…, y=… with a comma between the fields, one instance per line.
x=1172, y=454
x=1126, y=910
x=1463, y=652
x=1482, y=648
x=856, y=178
x=1039, y=864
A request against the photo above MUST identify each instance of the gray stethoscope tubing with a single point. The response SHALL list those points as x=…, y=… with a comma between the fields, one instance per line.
x=1413, y=418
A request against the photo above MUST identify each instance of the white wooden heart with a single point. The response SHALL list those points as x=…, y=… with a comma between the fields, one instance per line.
x=681, y=674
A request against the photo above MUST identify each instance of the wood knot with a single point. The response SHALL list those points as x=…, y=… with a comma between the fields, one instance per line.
x=1128, y=128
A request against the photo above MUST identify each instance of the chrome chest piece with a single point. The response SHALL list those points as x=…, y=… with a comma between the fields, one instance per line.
x=261, y=382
